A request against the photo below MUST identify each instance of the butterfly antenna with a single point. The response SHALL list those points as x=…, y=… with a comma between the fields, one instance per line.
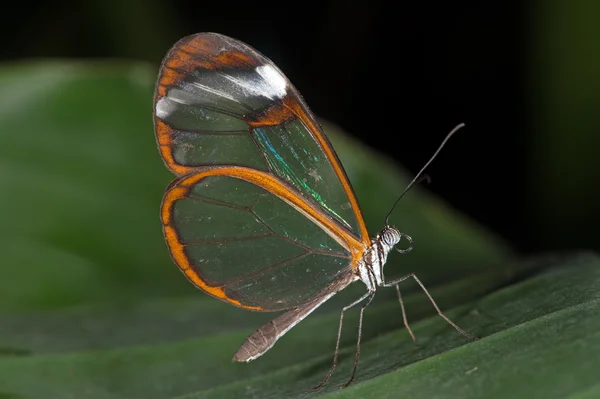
x=417, y=179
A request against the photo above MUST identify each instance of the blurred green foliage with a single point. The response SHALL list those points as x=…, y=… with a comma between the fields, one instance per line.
x=91, y=306
x=565, y=86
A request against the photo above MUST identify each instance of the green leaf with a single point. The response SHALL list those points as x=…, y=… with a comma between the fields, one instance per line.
x=527, y=335
x=91, y=305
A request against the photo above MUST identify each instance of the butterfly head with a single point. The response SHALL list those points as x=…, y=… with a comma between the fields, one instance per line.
x=391, y=236
x=375, y=257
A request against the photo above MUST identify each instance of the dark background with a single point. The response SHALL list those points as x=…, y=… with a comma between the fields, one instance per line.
x=523, y=76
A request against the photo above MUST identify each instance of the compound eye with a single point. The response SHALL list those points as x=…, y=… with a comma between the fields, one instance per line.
x=390, y=237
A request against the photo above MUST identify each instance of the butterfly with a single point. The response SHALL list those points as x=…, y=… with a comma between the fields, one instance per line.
x=262, y=214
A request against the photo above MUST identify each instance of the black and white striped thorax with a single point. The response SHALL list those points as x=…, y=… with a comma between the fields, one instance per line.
x=370, y=267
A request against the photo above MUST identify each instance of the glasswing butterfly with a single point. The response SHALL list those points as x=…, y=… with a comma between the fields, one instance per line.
x=262, y=214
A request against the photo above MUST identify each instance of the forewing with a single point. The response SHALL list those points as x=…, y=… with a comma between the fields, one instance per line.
x=220, y=102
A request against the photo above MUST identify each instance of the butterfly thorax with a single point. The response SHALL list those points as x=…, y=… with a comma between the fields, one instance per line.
x=370, y=267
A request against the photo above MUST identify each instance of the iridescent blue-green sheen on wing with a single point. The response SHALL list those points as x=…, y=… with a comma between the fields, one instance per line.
x=292, y=153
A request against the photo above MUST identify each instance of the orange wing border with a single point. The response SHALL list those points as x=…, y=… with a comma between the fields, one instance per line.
x=181, y=187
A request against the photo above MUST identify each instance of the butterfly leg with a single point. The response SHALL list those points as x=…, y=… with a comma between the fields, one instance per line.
x=404, y=318
x=442, y=315
x=360, y=321
x=369, y=294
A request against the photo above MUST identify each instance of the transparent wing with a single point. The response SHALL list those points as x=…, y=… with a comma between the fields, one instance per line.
x=246, y=238
x=220, y=102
